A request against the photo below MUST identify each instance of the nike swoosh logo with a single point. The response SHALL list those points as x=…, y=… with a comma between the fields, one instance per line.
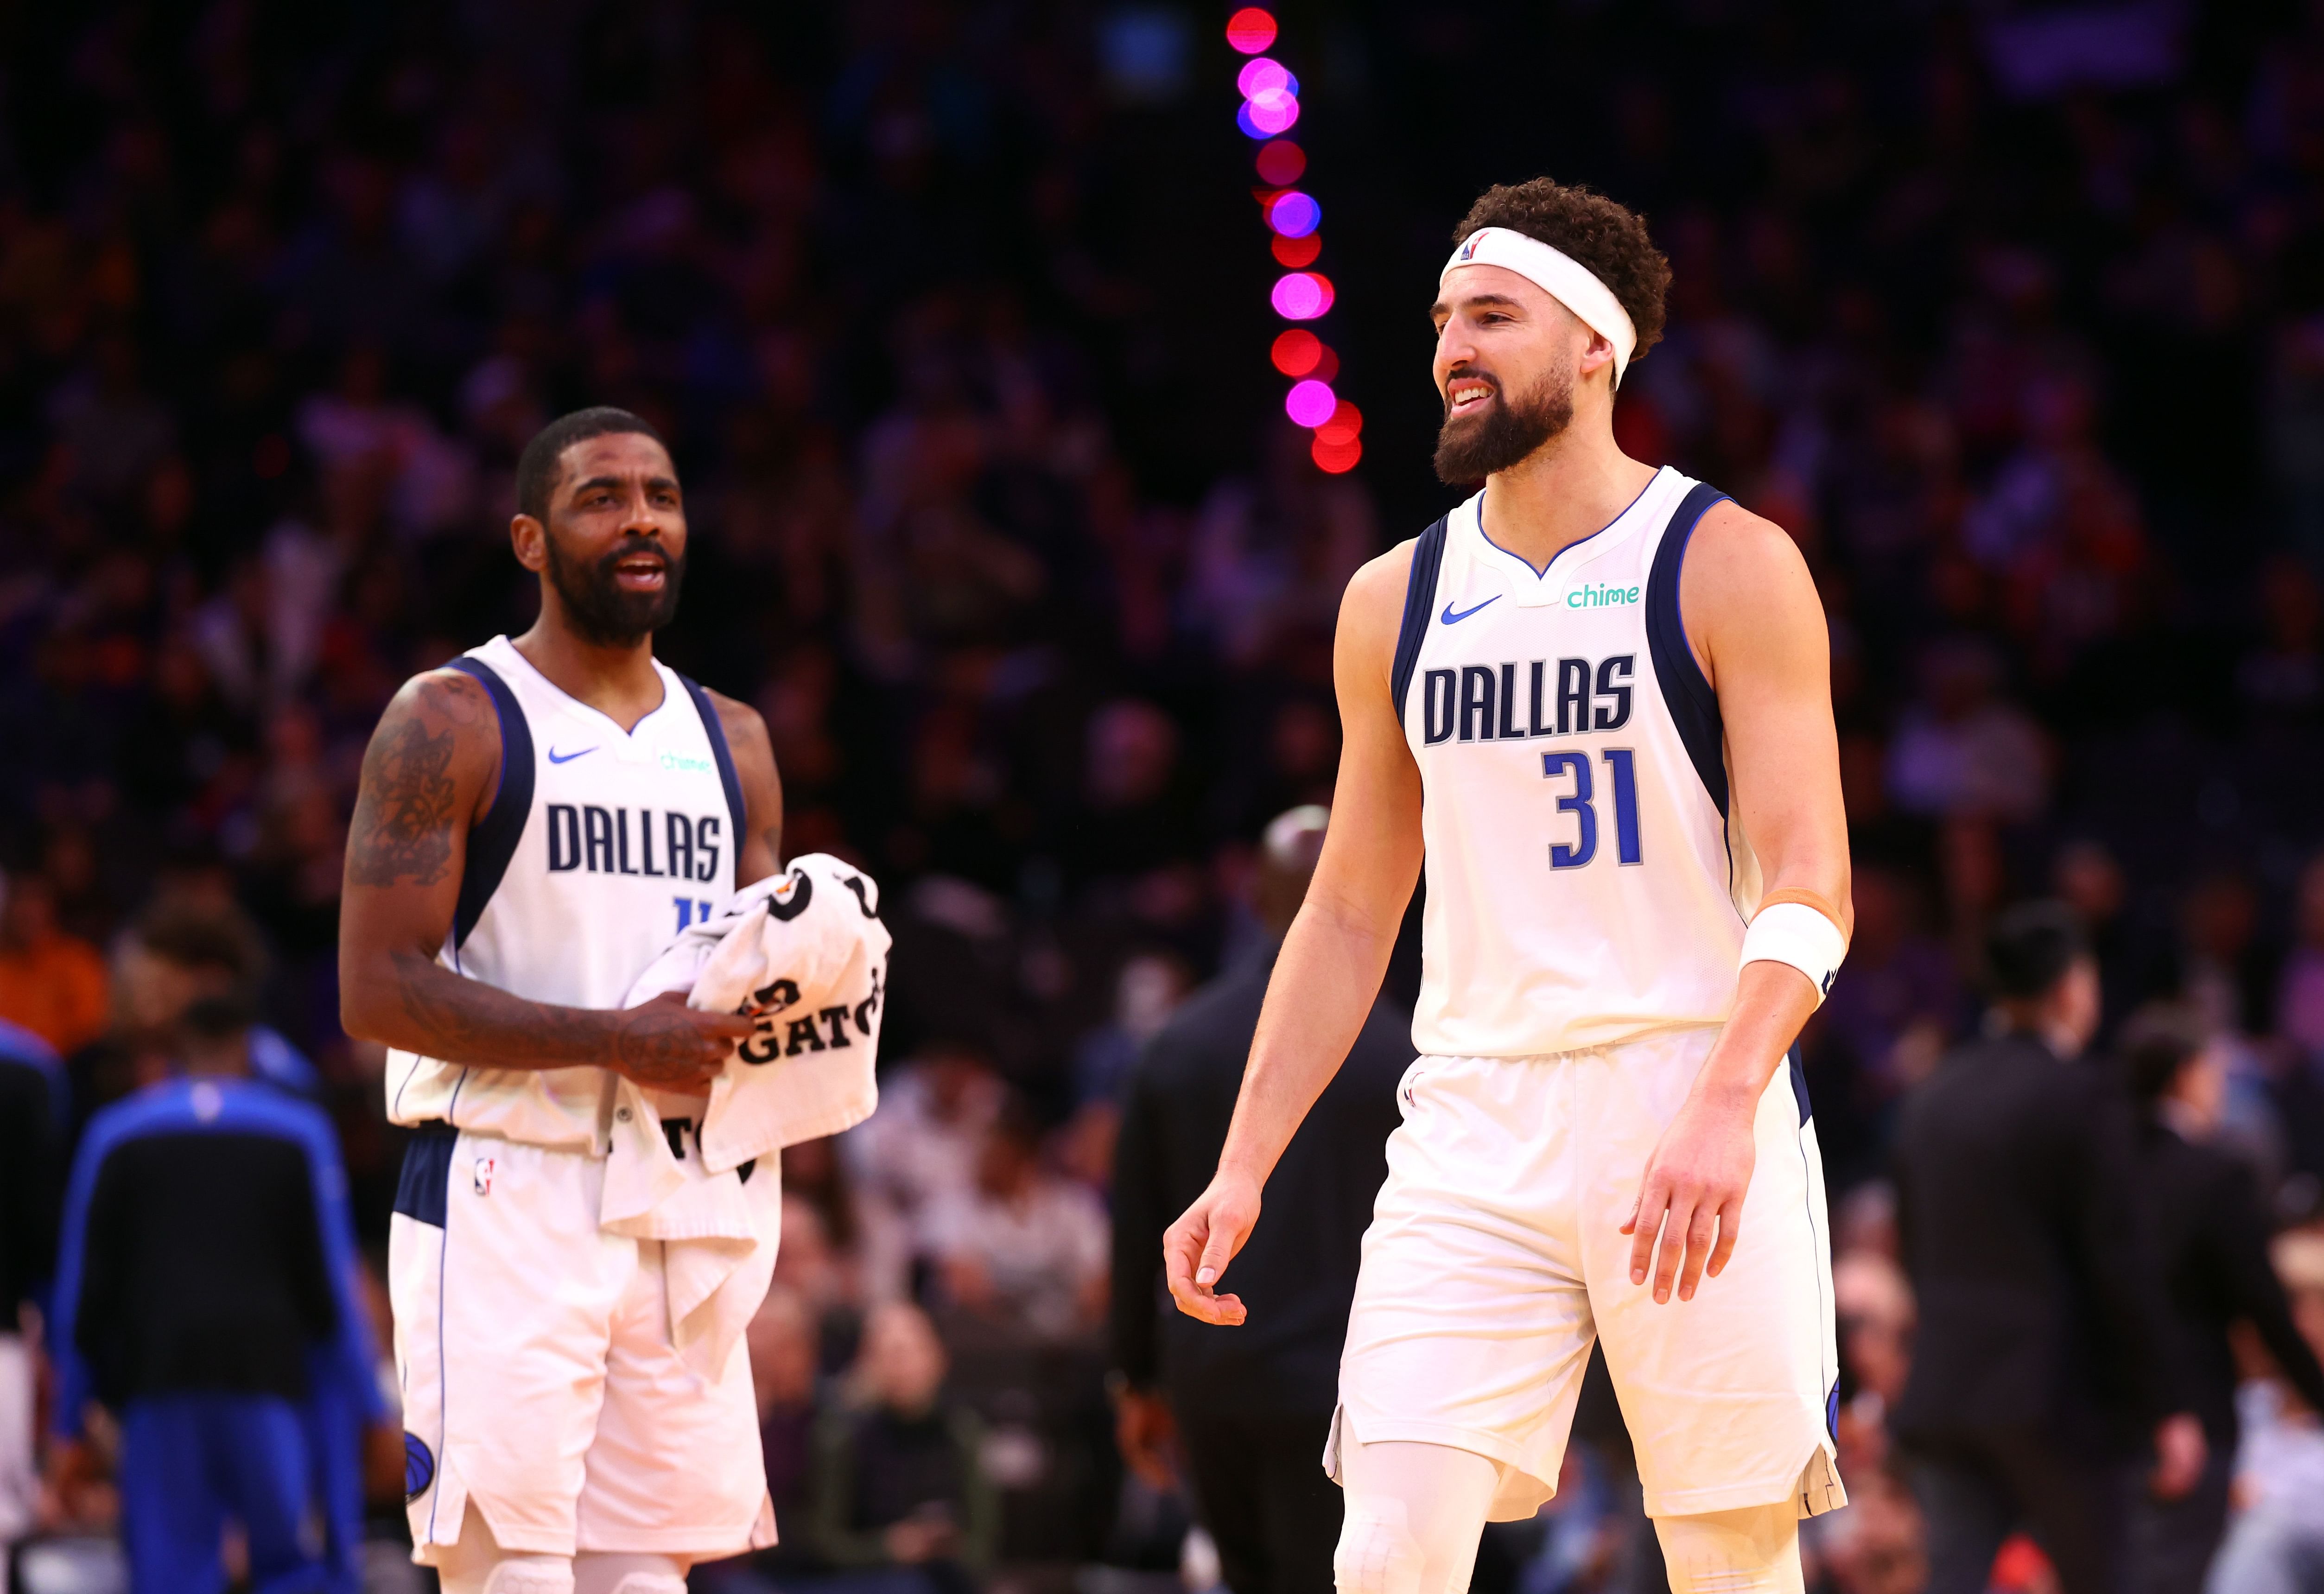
x=556, y=757
x=1449, y=617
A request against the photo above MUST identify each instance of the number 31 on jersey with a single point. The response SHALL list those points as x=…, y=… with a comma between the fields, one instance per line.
x=1621, y=774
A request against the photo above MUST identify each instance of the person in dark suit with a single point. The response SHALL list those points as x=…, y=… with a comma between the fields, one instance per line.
x=2211, y=1237
x=1248, y=1408
x=2041, y=1368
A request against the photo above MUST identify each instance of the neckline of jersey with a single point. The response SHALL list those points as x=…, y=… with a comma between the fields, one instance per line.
x=1543, y=574
x=578, y=706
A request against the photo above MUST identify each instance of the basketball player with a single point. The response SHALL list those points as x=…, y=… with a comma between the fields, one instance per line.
x=536, y=821
x=1594, y=699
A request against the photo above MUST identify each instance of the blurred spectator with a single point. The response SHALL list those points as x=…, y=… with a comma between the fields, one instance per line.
x=1962, y=753
x=900, y=1499
x=207, y=1298
x=1021, y=1248
x=2227, y=968
x=2043, y=1356
x=180, y=950
x=1146, y=992
x=2210, y=1235
x=2300, y=990
x=919, y=1150
x=784, y=1356
x=2137, y=959
x=2276, y=1545
x=1247, y=1409
x=51, y=982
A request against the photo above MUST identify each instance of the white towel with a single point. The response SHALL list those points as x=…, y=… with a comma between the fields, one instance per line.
x=804, y=953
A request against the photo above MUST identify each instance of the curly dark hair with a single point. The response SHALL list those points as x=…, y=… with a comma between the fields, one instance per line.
x=1609, y=238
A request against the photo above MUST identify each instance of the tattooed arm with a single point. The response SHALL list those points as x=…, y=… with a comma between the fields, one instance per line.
x=429, y=775
x=762, y=788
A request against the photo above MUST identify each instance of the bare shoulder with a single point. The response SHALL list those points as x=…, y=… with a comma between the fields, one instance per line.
x=426, y=777
x=745, y=728
x=1738, y=557
x=1372, y=609
x=1747, y=596
x=445, y=717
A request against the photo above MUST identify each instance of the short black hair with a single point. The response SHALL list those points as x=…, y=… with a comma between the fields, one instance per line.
x=1609, y=238
x=2031, y=946
x=2158, y=1041
x=205, y=938
x=220, y=1018
x=536, y=467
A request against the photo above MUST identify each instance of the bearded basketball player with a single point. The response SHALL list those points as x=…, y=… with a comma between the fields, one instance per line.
x=536, y=820
x=1594, y=699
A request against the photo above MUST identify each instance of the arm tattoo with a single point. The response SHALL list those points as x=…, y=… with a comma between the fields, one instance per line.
x=403, y=819
x=465, y=1020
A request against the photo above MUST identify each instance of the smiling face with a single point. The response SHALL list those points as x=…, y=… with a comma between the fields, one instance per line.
x=613, y=551
x=1508, y=356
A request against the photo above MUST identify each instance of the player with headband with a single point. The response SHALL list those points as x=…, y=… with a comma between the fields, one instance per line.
x=1594, y=698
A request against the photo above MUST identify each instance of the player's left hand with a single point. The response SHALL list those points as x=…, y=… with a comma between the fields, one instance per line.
x=1693, y=1193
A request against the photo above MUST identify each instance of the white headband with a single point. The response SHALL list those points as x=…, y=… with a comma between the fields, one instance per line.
x=1557, y=274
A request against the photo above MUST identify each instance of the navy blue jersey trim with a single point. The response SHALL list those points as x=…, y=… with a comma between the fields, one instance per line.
x=1419, y=597
x=1799, y=1073
x=1693, y=706
x=726, y=759
x=493, y=842
x=423, y=1191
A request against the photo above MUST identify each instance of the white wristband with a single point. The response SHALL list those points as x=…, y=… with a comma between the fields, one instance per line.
x=1795, y=933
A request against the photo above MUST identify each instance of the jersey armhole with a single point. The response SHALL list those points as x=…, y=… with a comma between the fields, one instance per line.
x=724, y=757
x=493, y=842
x=1693, y=706
x=1419, y=597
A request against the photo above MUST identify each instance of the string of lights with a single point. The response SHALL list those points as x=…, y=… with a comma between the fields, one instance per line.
x=1270, y=111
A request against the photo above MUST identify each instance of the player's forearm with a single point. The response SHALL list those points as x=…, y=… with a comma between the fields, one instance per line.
x=1772, y=1002
x=404, y=999
x=1325, y=981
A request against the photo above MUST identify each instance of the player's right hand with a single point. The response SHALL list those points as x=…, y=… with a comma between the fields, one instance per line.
x=1198, y=1247
x=672, y=1046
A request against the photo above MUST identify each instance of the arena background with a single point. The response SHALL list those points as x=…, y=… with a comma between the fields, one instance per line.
x=958, y=319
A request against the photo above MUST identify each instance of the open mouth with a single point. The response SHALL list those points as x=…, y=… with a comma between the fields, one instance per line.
x=645, y=571
x=1466, y=394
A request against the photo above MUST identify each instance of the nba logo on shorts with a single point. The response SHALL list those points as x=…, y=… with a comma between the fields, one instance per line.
x=485, y=1167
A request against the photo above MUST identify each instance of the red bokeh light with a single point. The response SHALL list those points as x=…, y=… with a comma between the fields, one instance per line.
x=1337, y=458
x=1251, y=30
x=1345, y=424
x=1280, y=162
x=1297, y=351
x=1295, y=252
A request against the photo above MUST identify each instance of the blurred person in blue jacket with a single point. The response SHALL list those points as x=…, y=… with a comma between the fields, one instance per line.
x=206, y=1296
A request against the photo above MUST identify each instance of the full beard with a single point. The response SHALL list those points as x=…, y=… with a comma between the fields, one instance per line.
x=1468, y=449
x=605, y=615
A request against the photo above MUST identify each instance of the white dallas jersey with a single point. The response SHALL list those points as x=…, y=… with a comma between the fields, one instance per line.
x=1587, y=883
x=600, y=845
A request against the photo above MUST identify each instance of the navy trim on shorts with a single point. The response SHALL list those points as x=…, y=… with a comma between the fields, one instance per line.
x=493, y=842
x=1800, y=1083
x=423, y=1192
x=1419, y=598
x=724, y=757
x=1693, y=706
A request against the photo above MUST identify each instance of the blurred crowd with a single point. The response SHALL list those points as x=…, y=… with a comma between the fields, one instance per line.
x=954, y=313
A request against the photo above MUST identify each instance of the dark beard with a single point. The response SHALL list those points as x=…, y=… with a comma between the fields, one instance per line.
x=602, y=614
x=1509, y=431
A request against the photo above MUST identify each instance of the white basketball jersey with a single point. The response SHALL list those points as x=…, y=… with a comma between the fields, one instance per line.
x=1586, y=883
x=600, y=845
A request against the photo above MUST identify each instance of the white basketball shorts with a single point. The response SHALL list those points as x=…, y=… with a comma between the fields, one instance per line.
x=539, y=1379
x=1495, y=1257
